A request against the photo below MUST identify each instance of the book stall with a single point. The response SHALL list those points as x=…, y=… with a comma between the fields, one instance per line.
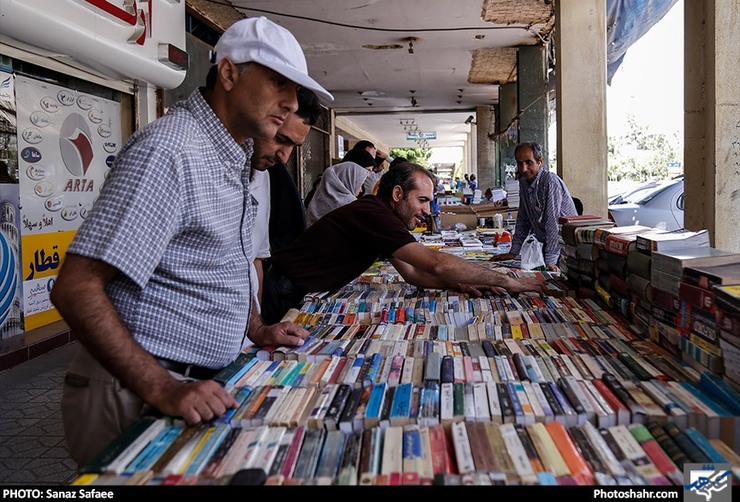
x=622, y=374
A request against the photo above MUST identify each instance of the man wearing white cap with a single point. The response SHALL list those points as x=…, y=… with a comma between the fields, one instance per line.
x=156, y=283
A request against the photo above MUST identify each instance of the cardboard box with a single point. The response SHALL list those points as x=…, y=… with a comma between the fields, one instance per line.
x=450, y=215
x=470, y=214
x=449, y=219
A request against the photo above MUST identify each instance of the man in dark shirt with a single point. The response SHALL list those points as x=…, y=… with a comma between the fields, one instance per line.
x=345, y=242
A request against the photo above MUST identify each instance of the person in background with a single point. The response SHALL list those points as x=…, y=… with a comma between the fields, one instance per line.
x=373, y=176
x=473, y=183
x=364, y=158
x=268, y=155
x=287, y=213
x=155, y=284
x=578, y=205
x=458, y=184
x=312, y=192
x=369, y=147
x=393, y=163
x=5, y=176
x=344, y=243
x=543, y=198
x=340, y=185
x=396, y=161
x=376, y=170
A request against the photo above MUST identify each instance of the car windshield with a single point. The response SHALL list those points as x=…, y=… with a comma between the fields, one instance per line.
x=638, y=193
x=646, y=195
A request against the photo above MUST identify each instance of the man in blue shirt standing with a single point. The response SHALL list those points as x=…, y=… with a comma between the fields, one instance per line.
x=156, y=284
x=543, y=198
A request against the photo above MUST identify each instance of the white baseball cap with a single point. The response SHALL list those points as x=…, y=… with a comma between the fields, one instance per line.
x=260, y=40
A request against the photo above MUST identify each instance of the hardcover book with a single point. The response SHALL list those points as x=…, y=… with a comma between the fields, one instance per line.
x=674, y=261
x=713, y=275
x=667, y=241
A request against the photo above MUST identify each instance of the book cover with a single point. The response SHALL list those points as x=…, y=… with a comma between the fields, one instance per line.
x=327, y=467
x=716, y=387
x=708, y=276
x=721, y=423
x=549, y=454
x=392, y=451
x=677, y=239
x=609, y=460
x=370, y=451
x=483, y=455
x=401, y=406
x=637, y=455
x=674, y=261
x=348, y=466
x=577, y=465
x=655, y=452
x=503, y=459
x=689, y=448
x=442, y=462
x=129, y=442
x=518, y=454
x=308, y=457
x=703, y=444
x=668, y=444
x=728, y=298
x=594, y=461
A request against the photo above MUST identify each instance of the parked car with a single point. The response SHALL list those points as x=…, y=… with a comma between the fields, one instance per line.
x=660, y=206
x=633, y=193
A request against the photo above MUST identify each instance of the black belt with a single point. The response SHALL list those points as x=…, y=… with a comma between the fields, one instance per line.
x=188, y=370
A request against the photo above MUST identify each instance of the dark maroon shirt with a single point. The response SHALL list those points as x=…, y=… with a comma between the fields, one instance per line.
x=342, y=245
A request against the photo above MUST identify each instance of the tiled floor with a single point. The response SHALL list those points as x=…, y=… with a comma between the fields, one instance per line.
x=32, y=446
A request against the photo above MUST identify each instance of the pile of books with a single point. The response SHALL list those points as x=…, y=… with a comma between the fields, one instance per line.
x=398, y=385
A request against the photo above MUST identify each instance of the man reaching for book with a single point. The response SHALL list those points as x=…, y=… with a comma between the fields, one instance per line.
x=345, y=242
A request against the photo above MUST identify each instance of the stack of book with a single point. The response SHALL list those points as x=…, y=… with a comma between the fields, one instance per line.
x=398, y=385
x=727, y=298
x=579, y=253
x=443, y=389
x=670, y=241
x=512, y=193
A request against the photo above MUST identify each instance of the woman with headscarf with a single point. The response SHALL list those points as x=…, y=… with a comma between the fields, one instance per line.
x=340, y=185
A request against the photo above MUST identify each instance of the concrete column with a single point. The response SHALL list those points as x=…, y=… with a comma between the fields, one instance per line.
x=532, y=88
x=146, y=104
x=581, y=100
x=508, y=110
x=712, y=121
x=485, y=148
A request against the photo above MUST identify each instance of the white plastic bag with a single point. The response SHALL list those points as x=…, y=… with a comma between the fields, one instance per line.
x=531, y=254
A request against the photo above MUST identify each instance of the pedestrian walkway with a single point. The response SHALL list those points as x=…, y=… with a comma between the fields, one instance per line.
x=32, y=446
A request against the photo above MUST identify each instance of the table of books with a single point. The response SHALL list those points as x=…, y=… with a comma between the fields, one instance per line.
x=398, y=385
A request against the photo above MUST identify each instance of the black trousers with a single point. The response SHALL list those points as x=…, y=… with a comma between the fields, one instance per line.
x=279, y=295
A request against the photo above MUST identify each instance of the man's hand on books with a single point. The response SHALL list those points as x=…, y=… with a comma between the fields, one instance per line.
x=552, y=267
x=478, y=290
x=282, y=333
x=522, y=284
x=194, y=401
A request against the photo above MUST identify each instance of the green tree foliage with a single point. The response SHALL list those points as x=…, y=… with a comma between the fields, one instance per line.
x=416, y=155
x=641, y=155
